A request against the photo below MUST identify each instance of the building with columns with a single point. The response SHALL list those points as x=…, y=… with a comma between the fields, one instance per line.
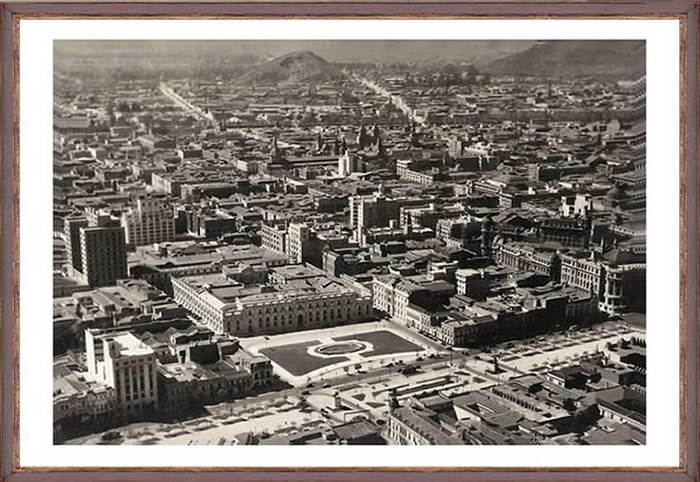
x=304, y=299
x=530, y=257
x=617, y=278
x=624, y=289
x=125, y=363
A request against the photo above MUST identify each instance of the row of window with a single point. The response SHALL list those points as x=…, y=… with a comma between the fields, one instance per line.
x=140, y=396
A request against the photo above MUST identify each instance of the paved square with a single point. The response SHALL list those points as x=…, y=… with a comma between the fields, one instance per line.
x=296, y=360
x=333, y=352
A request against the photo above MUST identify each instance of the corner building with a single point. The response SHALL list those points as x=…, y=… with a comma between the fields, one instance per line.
x=126, y=364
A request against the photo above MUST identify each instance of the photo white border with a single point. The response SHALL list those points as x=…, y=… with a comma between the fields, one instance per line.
x=36, y=207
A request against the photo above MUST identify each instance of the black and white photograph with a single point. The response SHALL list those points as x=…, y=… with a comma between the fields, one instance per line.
x=349, y=242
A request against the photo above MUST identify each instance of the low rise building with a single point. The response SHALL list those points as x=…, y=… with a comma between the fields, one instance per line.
x=540, y=259
x=159, y=264
x=79, y=398
x=617, y=278
x=188, y=385
x=411, y=426
x=303, y=303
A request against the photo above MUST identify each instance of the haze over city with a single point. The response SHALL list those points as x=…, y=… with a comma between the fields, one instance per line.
x=349, y=242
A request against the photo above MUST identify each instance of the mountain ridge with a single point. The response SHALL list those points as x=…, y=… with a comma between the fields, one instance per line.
x=608, y=59
x=294, y=67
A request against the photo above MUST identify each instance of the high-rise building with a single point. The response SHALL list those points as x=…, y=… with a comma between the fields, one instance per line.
x=274, y=237
x=150, y=221
x=71, y=233
x=349, y=163
x=378, y=210
x=297, y=240
x=103, y=255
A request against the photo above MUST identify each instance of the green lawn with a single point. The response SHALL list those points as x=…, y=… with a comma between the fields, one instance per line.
x=384, y=342
x=296, y=361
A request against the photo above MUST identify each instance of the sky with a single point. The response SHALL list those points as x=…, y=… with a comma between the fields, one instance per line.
x=331, y=50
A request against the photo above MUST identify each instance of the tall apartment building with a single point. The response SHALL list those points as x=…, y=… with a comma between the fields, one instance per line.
x=349, y=163
x=377, y=210
x=124, y=362
x=150, y=221
x=103, y=255
x=71, y=235
x=297, y=240
x=274, y=237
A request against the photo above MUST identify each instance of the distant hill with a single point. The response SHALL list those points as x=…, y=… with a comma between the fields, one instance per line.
x=605, y=59
x=341, y=51
x=294, y=67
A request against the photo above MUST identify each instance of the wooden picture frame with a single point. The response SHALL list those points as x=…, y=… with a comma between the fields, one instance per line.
x=11, y=13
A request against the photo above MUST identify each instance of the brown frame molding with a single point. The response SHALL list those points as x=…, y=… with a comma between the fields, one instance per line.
x=12, y=12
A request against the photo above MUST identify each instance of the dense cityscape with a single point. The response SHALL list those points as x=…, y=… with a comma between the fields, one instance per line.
x=257, y=247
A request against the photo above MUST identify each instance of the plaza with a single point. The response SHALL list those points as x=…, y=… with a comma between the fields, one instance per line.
x=321, y=354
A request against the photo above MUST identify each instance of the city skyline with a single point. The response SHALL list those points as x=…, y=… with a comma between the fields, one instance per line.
x=289, y=250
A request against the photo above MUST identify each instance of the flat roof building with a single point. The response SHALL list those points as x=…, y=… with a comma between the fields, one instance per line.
x=103, y=255
x=292, y=303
